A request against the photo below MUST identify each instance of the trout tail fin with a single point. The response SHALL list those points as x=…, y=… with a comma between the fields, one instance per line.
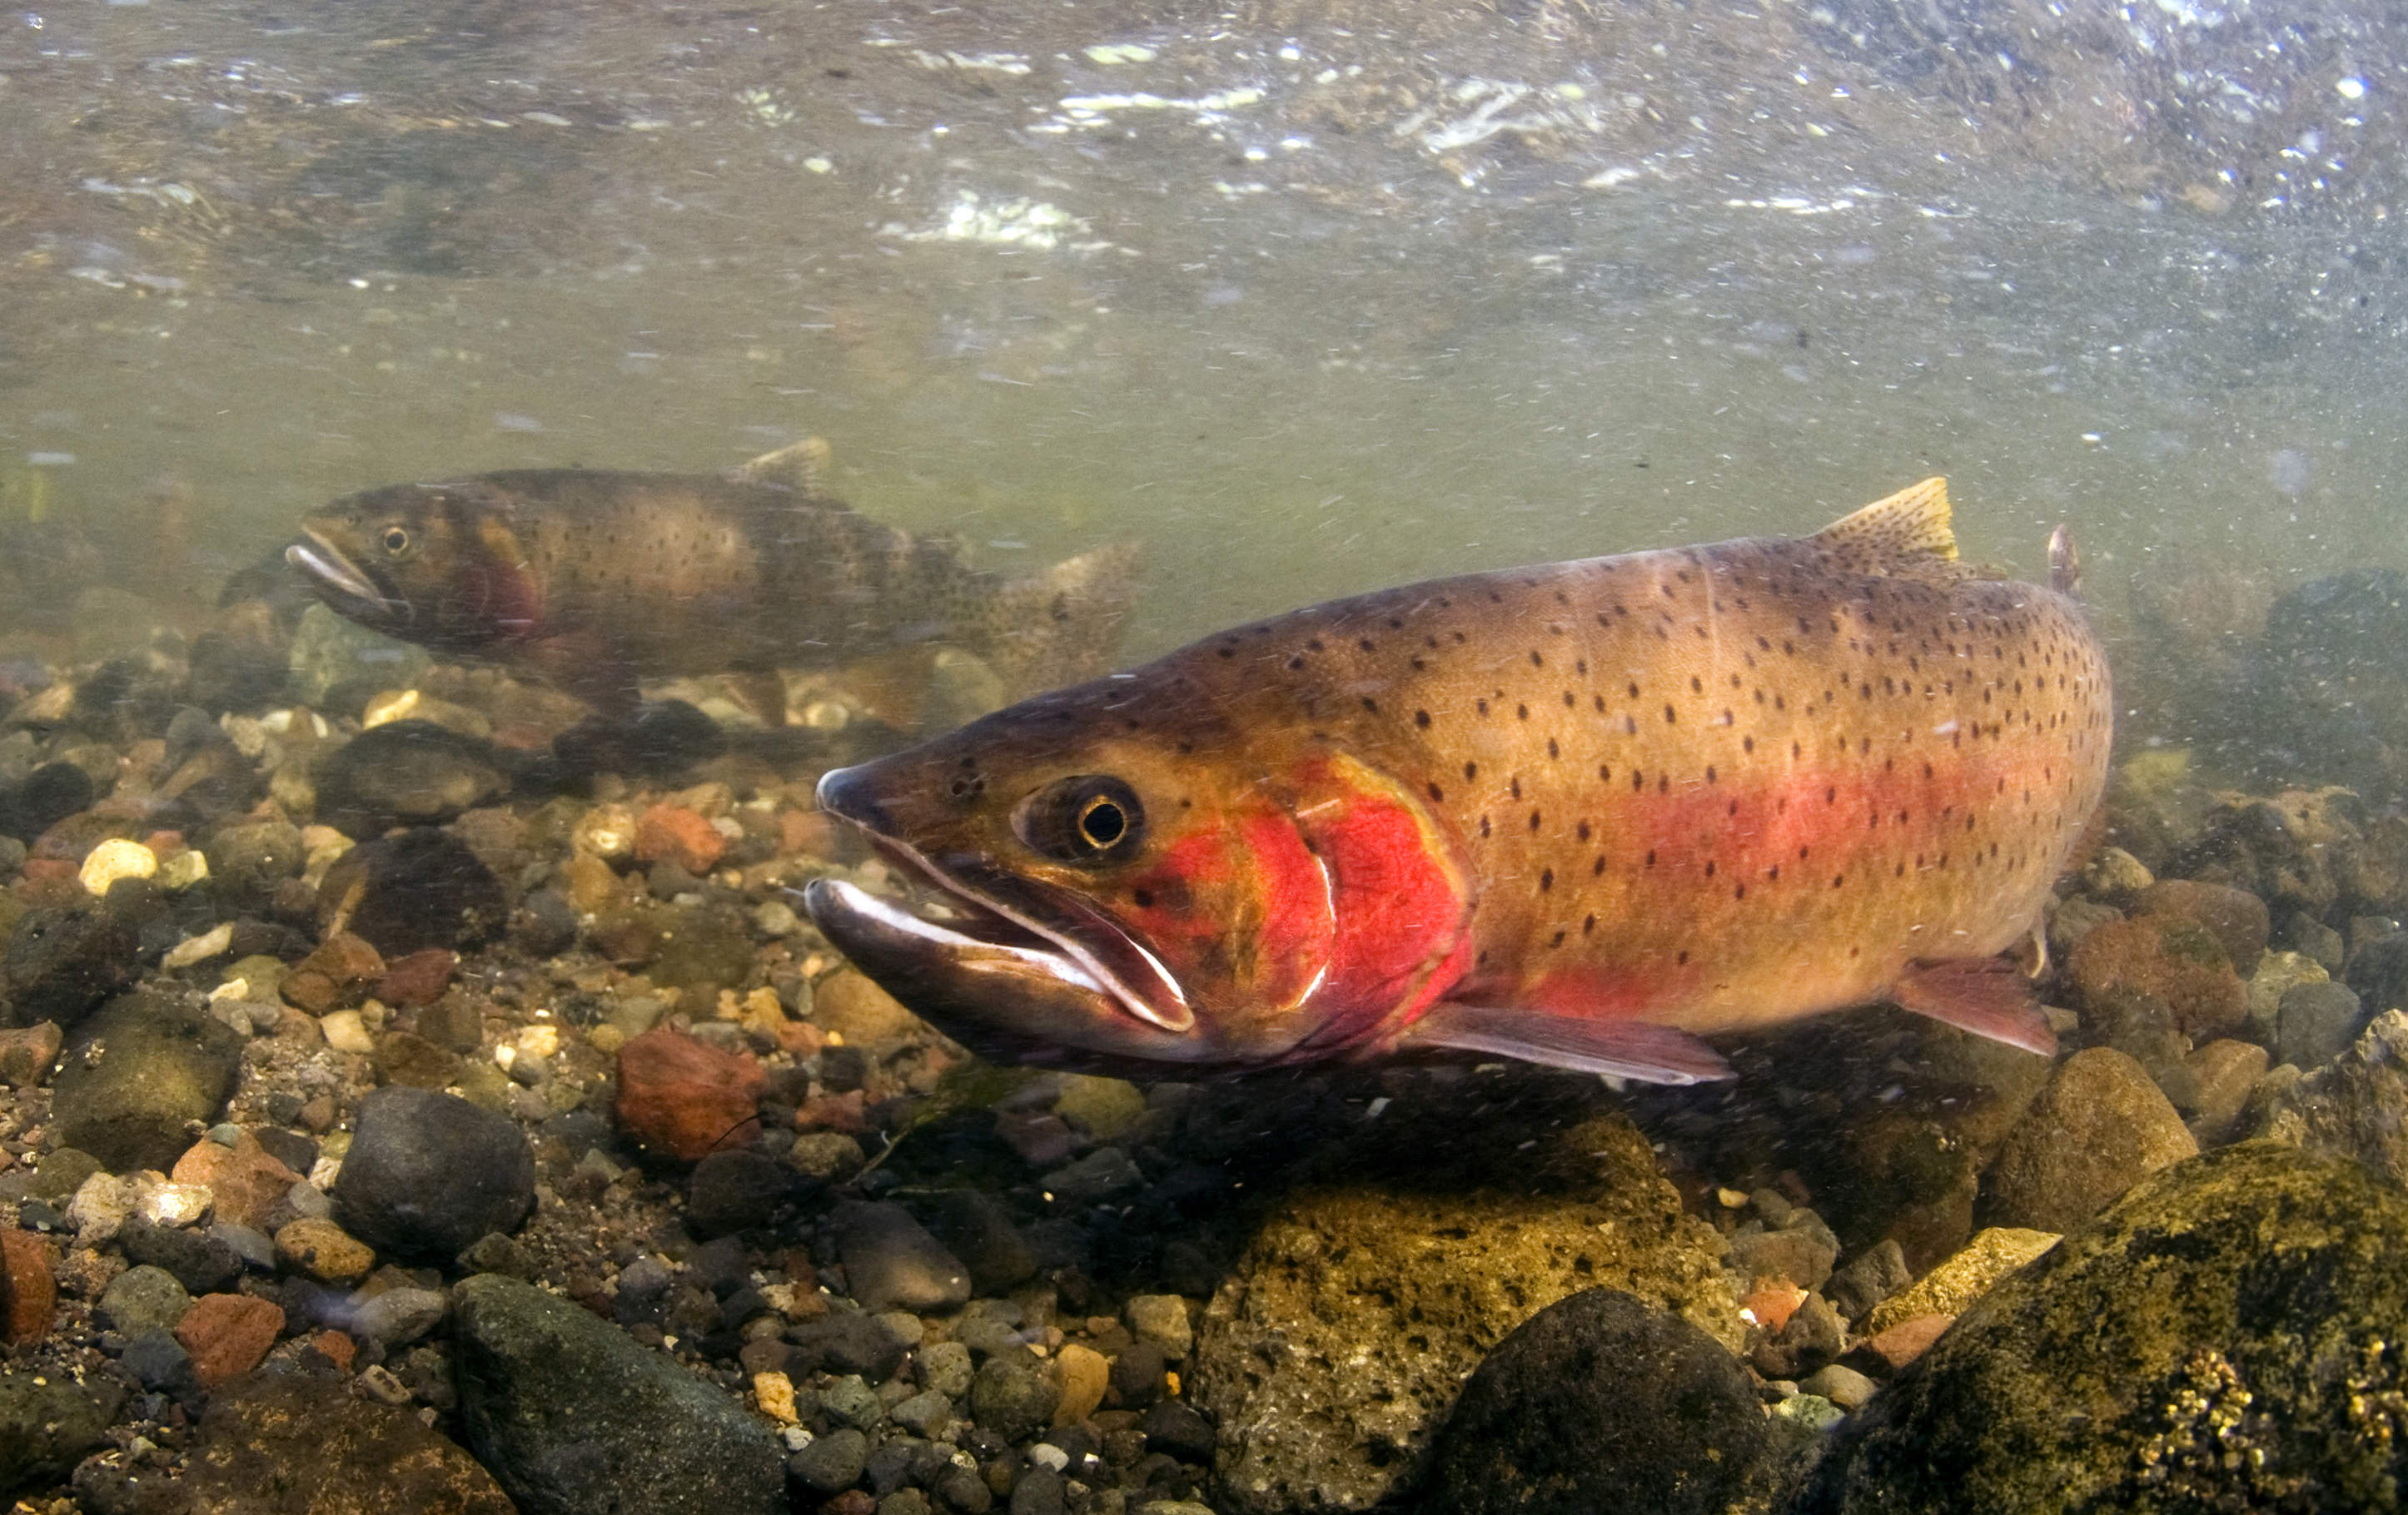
x=1062, y=625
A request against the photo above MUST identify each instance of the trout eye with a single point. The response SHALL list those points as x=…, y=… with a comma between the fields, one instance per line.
x=395, y=540
x=1089, y=818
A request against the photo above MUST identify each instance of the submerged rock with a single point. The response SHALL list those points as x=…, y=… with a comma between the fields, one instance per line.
x=573, y=1417
x=430, y=1174
x=137, y=1072
x=61, y=962
x=405, y=773
x=47, y=1422
x=418, y=889
x=2097, y=1127
x=1592, y=1401
x=286, y=1444
x=2355, y=1105
x=1341, y=1339
x=2228, y=1333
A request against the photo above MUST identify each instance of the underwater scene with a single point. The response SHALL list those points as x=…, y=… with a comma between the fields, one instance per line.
x=1137, y=759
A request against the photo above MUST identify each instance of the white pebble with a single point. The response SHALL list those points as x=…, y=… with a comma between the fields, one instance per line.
x=114, y=860
x=344, y=1032
x=199, y=948
x=1046, y=1454
x=183, y=870
x=176, y=1204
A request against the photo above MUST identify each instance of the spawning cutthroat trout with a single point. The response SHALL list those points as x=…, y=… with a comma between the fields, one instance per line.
x=593, y=579
x=1578, y=814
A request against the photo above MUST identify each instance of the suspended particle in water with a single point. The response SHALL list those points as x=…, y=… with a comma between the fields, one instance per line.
x=2291, y=471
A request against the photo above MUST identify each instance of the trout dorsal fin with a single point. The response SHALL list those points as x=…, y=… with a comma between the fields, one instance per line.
x=1906, y=535
x=801, y=467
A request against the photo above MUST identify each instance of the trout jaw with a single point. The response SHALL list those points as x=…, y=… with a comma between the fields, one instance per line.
x=1002, y=991
x=1050, y=924
x=346, y=588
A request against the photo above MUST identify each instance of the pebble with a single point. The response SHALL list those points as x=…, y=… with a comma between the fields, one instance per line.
x=200, y=1262
x=405, y=773
x=245, y=1180
x=199, y=948
x=418, y=889
x=138, y=1072
x=143, y=1298
x=160, y=1364
x=1178, y=1428
x=683, y=1099
x=2317, y=1022
x=227, y=1334
x=1086, y=1376
x=1801, y=1255
x=2378, y=971
x=335, y=975
x=1013, y=1397
x=1963, y=1278
x=398, y=1317
x=832, y=1462
x=345, y=1031
x=864, y=1015
x=978, y=1228
x=28, y=1052
x=2097, y=1127
x=891, y=1262
x=1162, y=1320
x=114, y=860
x=1908, y=1339
x=1097, y=1176
x=945, y=1368
x=59, y=962
x=249, y=858
x=852, y=1401
x=572, y=1416
x=831, y=1157
x=323, y=1251
x=29, y=1290
x=1138, y=1376
x=1843, y=1386
x=673, y=833
x=420, y=978
x=740, y=1189
x=926, y=1413
x=175, y=1204
x=2237, y=918
x=428, y=1174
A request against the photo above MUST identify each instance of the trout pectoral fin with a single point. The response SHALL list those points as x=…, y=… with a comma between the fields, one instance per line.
x=1624, y=1049
x=1988, y=996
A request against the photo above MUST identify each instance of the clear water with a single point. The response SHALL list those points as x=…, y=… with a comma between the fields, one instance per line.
x=1305, y=302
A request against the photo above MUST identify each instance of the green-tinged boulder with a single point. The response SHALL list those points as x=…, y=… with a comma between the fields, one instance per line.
x=136, y=1071
x=575, y=1419
x=1342, y=1338
x=2225, y=1336
x=48, y=1422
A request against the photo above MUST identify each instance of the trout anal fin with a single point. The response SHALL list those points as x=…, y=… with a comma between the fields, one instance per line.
x=1625, y=1049
x=1988, y=996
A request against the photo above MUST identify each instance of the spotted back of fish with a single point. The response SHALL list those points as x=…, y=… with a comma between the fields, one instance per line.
x=1710, y=786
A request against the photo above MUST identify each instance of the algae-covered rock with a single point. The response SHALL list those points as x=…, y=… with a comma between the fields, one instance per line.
x=2097, y=1127
x=137, y=1072
x=2355, y=1105
x=1342, y=1336
x=1964, y=1277
x=2224, y=1338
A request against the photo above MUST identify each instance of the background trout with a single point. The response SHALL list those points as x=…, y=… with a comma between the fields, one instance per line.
x=594, y=579
x=1576, y=813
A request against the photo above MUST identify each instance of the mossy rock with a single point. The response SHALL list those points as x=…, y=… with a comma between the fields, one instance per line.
x=2227, y=1336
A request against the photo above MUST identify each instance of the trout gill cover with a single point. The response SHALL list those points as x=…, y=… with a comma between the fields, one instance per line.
x=1578, y=813
x=594, y=579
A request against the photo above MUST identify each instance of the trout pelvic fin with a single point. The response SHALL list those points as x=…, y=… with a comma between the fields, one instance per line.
x=1635, y=1049
x=1990, y=996
x=1906, y=535
x=1061, y=626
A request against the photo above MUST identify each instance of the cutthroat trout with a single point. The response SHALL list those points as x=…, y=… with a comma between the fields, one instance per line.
x=594, y=579
x=1578, y=814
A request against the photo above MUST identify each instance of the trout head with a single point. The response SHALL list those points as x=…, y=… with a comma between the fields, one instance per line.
x=1120, y=892
x=437, y=564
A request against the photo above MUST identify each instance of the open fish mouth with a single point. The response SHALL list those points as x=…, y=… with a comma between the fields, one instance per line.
x=335, y=576
x=996, y=915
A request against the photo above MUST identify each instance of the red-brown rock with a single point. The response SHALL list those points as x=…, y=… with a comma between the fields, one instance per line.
x=227, y=1334
x=28, y=1293
x=337, y=1348
x=683, y=1099
x=335, y=975
x=1908, y=1339
x=673, y=833
x=2239, y=918
x=419, y=978
x=245, y=1182
x=2171, y=958
x=26, y=1053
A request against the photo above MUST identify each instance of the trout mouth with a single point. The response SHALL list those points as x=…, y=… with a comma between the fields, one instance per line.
x=993, y=910
x=344, y=584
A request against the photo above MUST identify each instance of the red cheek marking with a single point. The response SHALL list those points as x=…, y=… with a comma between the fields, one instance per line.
x=506, y=600
x=1253, y=905
x=1400, y=914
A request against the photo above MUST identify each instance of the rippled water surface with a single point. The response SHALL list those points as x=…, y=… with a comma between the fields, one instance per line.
x=1305, y=298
